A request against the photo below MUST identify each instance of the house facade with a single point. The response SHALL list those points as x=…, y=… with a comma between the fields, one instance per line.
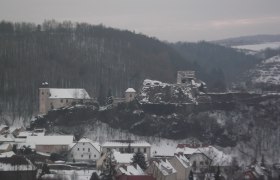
x=84, y=150
x=53, y=98
x=50, y=144
x=182, y=165
x=128, y=147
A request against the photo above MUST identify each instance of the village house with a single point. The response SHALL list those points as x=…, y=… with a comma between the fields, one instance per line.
x=128, y=146
x=204, y=158
x=131, y=172
x=53, y=98
x=84, y=150
x=161, y=169
x=50, y=144
x=182, y=165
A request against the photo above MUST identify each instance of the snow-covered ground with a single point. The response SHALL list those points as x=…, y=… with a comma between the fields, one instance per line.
x=70, y=174
x=259, y=47
x=159, y=146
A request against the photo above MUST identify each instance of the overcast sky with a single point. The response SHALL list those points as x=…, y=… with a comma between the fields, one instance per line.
x=171, y=20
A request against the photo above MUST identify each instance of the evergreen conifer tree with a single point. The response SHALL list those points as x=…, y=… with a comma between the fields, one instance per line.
x=139, y=158
x=191, y=175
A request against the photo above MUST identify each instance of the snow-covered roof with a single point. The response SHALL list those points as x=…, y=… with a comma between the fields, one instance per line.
x=165, y=167
x=131, y=170
x=217, y=156
x=30, y=133
x=50, y=140
x=183, y=160
x=131, y=90
x=68, y=93
x=7, y=138
x=126, y=144
x=4, y=146
x=7, y=154
x=122, y=158
x=96, y=145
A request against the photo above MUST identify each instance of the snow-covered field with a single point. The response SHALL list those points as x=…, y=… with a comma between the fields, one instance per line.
x=259, y=47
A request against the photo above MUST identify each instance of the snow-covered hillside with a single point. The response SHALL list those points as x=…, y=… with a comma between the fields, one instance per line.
x=259, y=47
x=267, y=72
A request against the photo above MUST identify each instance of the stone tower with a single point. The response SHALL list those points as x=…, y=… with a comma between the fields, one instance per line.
x=44, y=93
x=185, y=77
x=130, y=94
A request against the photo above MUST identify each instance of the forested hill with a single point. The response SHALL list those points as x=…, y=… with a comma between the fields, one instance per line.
x=77, y=55
x=215, y=64
x=97, y=58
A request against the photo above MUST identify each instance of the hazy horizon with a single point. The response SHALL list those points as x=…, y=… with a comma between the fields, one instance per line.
x=179, y=20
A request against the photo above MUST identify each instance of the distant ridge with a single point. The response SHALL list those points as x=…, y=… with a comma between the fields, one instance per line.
x=247, y=40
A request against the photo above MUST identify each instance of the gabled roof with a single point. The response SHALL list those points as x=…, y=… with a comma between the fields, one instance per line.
x=96, y=145
x=4, y=146
x=7, y=154
x=68, y=93
x=165, y=167
x=217, y=157
x=130, y=90
x=131, y=170
x=50, y=140
x=126, y=144
x=183, y=160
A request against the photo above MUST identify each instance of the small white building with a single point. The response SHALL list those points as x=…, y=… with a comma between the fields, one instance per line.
x=126, y=146
x=49, y=144
x=130, y=95
x=53, y=98
x=84, y=150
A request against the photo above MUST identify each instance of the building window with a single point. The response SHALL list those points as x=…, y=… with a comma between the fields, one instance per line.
x=94, y=155
x=201, y=163
x=66, y=100
x=138, y=149
x=89, y=156
x=145, y=150
x=82, y=156
x=78, y=149
x=61, y=100
x=83, y=149
x=130, y=95
x=132, y=149
x=88, y=149
x=42, y=93
x=71, y=155
x=83, y=144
